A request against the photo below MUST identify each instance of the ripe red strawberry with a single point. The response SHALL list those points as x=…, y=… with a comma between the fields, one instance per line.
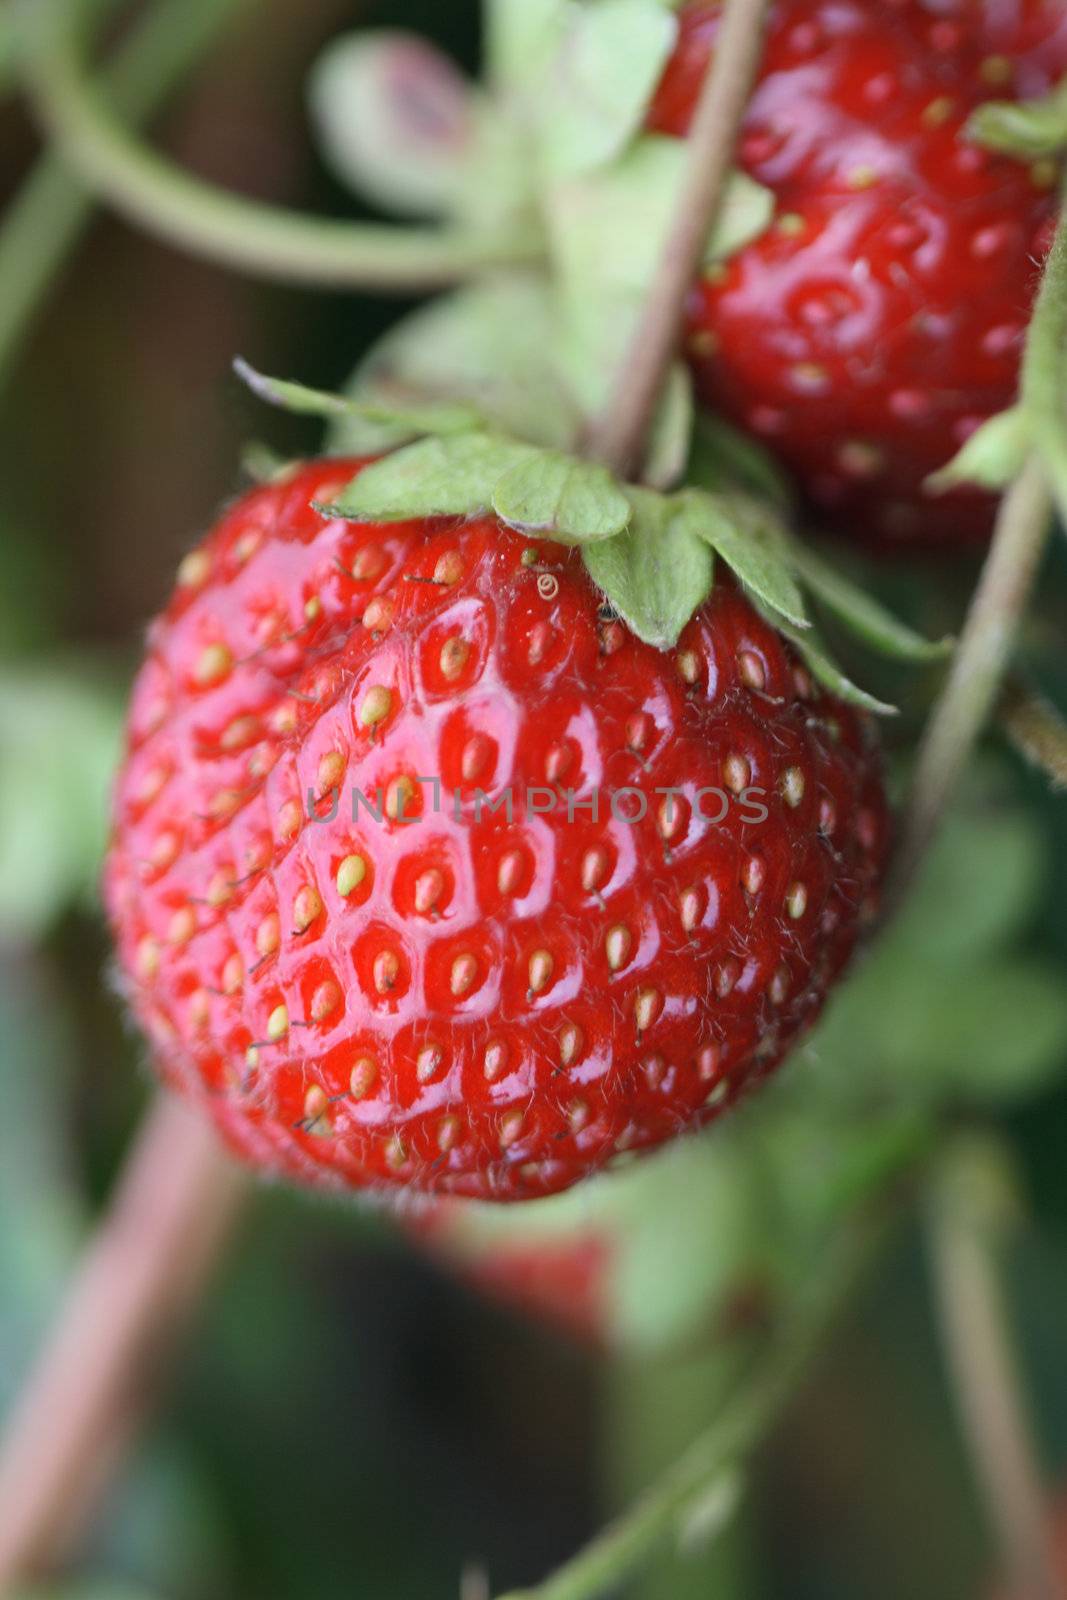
x=880, y=319
x=436, y=998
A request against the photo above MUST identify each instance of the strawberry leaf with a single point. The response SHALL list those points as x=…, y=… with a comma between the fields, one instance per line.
x=992, y=457
x=753, y=543
x=599, y=85
x=657, y=573
x=864, y=616
x=561, y=497
x=408, y=420
x=434, y=478
x=824, y=669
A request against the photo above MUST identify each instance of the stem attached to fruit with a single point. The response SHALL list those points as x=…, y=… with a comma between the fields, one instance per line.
x=266, y=241
x=973, y=1196
x=43, y=222
x=619, y=438
x=142, y=1277
x=978, y=667
x=1006, y=584
x=708, y=1472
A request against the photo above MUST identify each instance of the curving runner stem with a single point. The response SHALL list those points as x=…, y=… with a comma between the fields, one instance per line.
x=141, y=1279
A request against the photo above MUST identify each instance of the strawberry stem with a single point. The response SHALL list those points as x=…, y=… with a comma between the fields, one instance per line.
x=973, y=1206
x=43, y=222
x=620, y=437
x=142, y=1277
x=1006, y=584
x=263, y=240
x=715, y=1459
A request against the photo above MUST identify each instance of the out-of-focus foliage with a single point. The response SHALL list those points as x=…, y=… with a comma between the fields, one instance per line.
x=59, y=740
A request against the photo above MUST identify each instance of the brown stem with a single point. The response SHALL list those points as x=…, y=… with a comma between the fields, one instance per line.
x=618, y=439
x=984, y=650
x=142, y=1277
x=965, y=1224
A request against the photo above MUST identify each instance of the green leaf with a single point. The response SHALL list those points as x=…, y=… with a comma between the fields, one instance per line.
x=1030, y=130
x=561, y=497
x=991, y=1032
x=724, y=458
x=522, y=39
x=395, y=119
x=978, y=891
x=434, y=478
x=491, y=346
x=991, y=458
x=754, y=545
x=302, y=401
x=672, y=432
x=59, y=741
x=600, y=83
x=746, y=213
x=657, y=573
x=864, y=616
x=824, y=669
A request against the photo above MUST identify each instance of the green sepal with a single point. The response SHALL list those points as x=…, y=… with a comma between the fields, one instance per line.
x=656, y=574
x=437, y=477
x=261, y=464
x=543, y=491
x=722, y=457
x=813, y=652
x=607, y=232
x=752, y=541
x=992, y=458
x=1031, y=130
x=490, y=345
x=559, y=496
x=405, y=420
x=405, y=146
x=672, y=432
x=866, y=618
x=596, y=93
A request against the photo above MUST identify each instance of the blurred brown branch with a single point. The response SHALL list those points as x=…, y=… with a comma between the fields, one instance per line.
x=141, y=1279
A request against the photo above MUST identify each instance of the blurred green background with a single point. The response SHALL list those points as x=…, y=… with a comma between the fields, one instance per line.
x=347, y=1421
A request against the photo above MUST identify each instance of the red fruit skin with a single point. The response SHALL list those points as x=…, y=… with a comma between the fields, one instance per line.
x=880, y=319
x=497, y=1009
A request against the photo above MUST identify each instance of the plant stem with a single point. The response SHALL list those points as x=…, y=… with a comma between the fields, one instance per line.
x=1037, y=731
x=1007, y=580
x=966, y=1221
x=978, y=667
x=620, y=436
x=266, y=241
x=712, y=1464
x=42, y=224
x=1042, y=384
x=142, y=1277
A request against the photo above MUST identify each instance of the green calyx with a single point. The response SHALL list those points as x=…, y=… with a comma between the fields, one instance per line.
x=1031, y=130
x=652, y=553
